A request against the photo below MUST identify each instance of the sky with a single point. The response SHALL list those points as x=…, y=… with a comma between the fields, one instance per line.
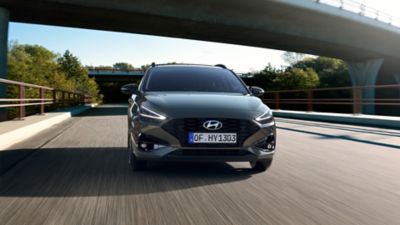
x=105, y=48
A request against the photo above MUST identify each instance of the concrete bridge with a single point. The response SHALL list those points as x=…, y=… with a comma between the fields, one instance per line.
x=370, y=47
x=77, y=173
x=115, y=75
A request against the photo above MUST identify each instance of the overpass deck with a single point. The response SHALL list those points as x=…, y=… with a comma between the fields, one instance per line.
x=322, y=174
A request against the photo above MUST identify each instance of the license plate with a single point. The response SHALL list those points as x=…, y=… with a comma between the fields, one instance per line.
x=212, y=138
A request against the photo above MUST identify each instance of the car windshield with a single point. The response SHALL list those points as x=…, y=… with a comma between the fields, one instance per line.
x=193, y=79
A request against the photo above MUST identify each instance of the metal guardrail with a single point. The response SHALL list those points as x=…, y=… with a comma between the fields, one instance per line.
x=59, y=97
x=307, y=97
x=363, y=10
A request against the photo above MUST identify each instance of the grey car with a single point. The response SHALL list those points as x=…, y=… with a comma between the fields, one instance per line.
x=198, y=113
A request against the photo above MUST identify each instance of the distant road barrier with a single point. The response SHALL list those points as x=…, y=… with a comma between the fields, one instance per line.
x=345, y=96
x=60, y=98
x=363, y=10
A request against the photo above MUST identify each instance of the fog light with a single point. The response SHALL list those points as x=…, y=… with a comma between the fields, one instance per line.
x=158, y=146
x=268, y=144
x=143, y=145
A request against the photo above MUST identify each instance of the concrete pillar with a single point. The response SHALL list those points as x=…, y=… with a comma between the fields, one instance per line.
x=4, y=18
x=397, y=78
x=365, y=73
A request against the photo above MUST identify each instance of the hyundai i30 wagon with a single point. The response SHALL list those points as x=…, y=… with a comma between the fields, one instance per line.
x=198, y=113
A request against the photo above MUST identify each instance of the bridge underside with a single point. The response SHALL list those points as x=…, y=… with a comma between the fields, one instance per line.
x=110, y=86
x=270, y=24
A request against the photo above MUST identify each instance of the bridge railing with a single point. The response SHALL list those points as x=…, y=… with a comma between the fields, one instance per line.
x=59, y=98
x=363, y=10
x=332, y=99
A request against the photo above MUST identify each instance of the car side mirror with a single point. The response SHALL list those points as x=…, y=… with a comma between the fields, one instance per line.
x=257, y=91
x=129, y=89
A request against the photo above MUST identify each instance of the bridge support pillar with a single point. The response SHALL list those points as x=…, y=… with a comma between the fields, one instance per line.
x=4, y=18
x=397, y=78
x=365, y=73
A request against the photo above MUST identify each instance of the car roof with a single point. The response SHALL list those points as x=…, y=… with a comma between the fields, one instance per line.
x=190, y=65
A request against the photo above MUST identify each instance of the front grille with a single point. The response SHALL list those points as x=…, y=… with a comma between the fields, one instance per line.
x=180, y=128
x=209, y=152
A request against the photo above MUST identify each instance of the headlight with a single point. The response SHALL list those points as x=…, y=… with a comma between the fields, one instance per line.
x=265, y=118
x=145, y=112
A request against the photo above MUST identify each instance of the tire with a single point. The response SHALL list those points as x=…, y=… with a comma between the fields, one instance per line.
x=136, y=165
x=261, y=165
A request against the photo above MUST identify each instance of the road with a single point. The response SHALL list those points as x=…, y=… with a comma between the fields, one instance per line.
x=322, y=174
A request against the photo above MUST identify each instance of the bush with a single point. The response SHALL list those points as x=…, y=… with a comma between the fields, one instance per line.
x=36, y=65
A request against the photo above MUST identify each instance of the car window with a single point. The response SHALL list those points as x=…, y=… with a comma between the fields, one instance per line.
x=198, y=79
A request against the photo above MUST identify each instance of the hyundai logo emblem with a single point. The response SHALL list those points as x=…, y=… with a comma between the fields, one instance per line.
x=212, y=125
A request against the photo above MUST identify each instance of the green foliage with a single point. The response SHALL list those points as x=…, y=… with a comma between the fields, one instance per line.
x=145, y=67
x=70, y=65
x=123, y=66
x=292, y=58
x=78, y=74
x=332, y=72
x=36, y=65
x=266, y=77
x=31, y=64
x=297, y=79
x=304, y=74
x=99, y=68
x=291, y=78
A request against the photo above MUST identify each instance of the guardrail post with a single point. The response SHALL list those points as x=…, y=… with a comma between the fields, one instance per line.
x=277, y=100
x=54, y=99
x=63, y=99
x=309, y=100
x=21, y=102
x=41, y=90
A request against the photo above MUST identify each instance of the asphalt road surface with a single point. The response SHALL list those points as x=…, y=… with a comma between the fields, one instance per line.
x=322, y=174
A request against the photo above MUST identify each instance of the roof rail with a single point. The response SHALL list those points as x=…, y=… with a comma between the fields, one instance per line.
x=153, y=64
x=221, y=65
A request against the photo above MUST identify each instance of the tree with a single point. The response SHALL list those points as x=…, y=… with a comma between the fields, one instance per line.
x=332, y=72
x=291, y=78
x=123, y=66
x=31, y=64
x=103, y=68
x=145, y=67
x=75, y=71
x=71, y=66
x=265, y=78
x=292, y=57
x=296, y=78
x=37, y=65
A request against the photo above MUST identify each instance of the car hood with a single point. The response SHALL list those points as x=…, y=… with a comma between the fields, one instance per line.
x=209, y=105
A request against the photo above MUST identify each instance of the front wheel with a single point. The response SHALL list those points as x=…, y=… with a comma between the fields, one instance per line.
x=135, y=164
x=261, y=165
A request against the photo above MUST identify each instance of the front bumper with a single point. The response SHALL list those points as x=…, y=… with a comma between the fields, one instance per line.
x=169, y=147
x=200, y=154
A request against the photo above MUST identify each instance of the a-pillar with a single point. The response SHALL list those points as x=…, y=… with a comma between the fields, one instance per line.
x=365, y=73
x=4, y=18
